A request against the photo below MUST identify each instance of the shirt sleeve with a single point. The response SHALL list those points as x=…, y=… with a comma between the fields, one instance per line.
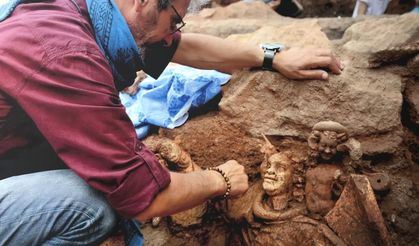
x=156, y=57
x=73, y=101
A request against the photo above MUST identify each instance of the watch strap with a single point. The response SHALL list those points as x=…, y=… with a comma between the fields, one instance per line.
x=268, y=59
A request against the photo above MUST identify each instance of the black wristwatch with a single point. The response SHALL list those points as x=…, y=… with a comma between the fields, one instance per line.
x=270, y=50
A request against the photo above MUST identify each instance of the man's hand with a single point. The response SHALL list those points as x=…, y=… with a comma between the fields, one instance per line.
x=304, y=63
x=132, y=89
x=274, y=4
x=227, y=56
x=238, y=178
x=187, y=190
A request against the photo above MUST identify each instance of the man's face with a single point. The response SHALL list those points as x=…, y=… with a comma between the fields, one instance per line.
x=327, y=145
x=151, y=26
x=277, y=174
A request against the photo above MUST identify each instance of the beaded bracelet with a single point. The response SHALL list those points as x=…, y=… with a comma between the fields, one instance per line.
x=226, y=179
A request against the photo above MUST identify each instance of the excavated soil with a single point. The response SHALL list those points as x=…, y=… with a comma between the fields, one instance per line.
x=212, y=139
x=388, y=131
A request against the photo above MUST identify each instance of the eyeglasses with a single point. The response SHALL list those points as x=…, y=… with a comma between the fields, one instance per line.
x=178, y=22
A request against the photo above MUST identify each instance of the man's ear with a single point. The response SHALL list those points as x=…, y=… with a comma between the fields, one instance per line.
x=141, y=4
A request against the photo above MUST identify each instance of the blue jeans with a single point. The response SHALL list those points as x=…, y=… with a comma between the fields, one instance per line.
x=52, y=208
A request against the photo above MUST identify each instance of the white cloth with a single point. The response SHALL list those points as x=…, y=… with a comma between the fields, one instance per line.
x=375, y=7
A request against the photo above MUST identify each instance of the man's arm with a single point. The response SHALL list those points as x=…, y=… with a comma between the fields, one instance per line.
x=187, y=190
x=208, y=52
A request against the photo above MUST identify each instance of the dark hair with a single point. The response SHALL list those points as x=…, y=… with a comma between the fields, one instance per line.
x=162, y=4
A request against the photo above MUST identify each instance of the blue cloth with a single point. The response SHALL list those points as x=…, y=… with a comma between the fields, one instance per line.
x=115, y=40
x=7, y=7
x=165, y=102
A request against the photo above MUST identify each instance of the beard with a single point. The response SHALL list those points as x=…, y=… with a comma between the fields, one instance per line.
x=143, y=34
x=143, y=39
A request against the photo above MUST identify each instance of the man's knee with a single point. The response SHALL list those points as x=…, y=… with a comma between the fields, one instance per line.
x=62, y=207
x=90, y=220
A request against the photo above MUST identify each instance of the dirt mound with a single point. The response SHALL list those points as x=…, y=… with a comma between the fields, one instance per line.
x=378, y=106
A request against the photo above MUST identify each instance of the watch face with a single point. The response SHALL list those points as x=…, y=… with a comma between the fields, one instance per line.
x=274, y=47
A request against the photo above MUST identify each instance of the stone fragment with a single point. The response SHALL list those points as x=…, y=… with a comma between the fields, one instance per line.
x=302, y=33
x=367, y=102
x=237, y=18
x=381, y=40
x=356, y=217
x=379, y=182
x=189, y=217
x=176, y=159
x=412, y=99
x=299, y=231
x=327, y=8
x=334, y=28
x=413, y=65
x=222, y=28
x=241, y=9
x=162, y=236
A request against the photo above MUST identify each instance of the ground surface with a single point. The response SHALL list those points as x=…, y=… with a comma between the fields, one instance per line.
x=378, y=105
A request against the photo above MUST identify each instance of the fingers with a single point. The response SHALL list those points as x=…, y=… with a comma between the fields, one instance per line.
x=320, y=61
x=314, y=74
x=238, y=177
x=323, y=52
x=335, y=65
x=326, y=59
x=307, y=63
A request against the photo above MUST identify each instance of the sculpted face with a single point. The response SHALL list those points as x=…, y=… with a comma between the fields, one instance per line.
x=327, y=145
x=277, y=174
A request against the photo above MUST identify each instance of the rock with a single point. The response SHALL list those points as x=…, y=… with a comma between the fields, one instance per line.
x=222, y=28
x=161, y=235
x=327, y=8
x=244, y=10
x=400, y=7
x=334, y=28
x=237, y=18
x=114, y=240
x=367, y=102
x=189, y=217
x=401, y=209
x=379, y=143
x=397, y=55
x=380, y=40
x=412, y=99
x=413, y=66
x=224, y=2
x=299, y=231
x=219, y=236
x=302, y=33
x=356, y=217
